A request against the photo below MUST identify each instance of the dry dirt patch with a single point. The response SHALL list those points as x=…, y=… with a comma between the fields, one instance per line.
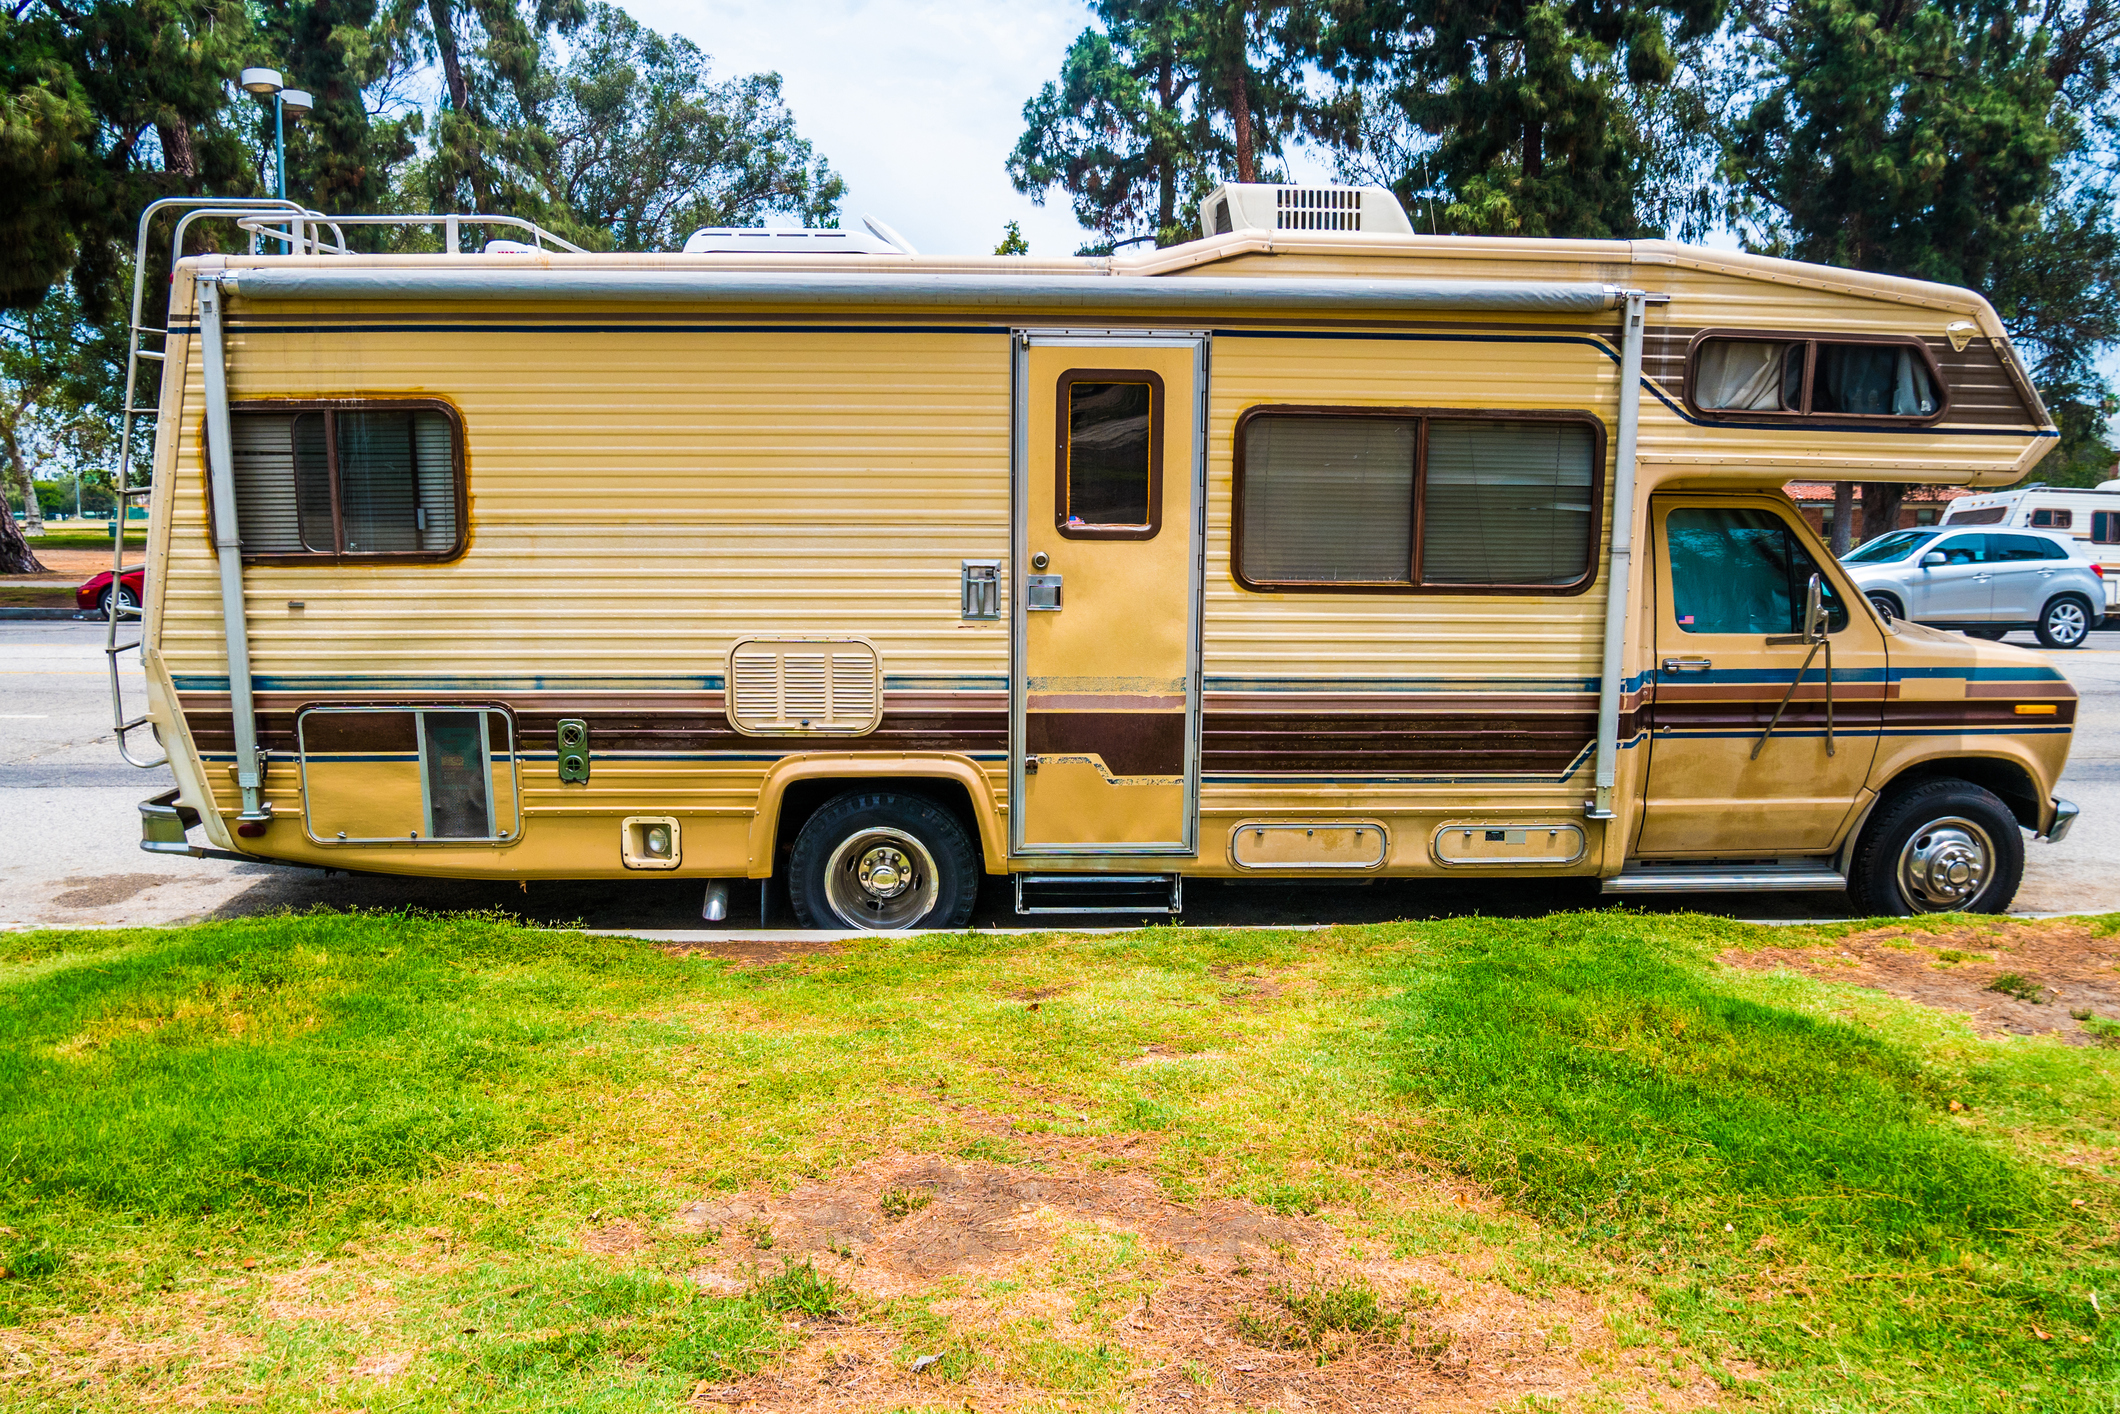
x=1188, y=1303
x=760, y=952
x=2063, y=964
x=102, y=890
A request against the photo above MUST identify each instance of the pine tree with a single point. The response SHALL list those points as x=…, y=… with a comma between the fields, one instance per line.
x=1158, y=102
x=1523, y=117
x=1954, y=142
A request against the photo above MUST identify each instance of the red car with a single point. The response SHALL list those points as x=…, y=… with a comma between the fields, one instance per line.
x=95, y=594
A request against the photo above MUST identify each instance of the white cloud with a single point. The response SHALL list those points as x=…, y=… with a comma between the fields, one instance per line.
x=917, y=103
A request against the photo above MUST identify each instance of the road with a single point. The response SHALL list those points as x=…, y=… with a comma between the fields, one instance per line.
x=70, y=857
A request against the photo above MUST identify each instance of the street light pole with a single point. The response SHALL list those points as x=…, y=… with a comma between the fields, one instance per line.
x=286, y=103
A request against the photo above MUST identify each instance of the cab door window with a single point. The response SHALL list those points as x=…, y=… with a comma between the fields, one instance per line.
x=1736, y=570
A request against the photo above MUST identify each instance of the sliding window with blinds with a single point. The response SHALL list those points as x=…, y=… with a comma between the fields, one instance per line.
x=1416, y=500
x=348, y=481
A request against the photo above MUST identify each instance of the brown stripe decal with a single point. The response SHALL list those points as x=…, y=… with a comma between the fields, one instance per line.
x=1131, y=743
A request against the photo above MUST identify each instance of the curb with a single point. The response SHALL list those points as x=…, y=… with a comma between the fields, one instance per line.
x=19, y=613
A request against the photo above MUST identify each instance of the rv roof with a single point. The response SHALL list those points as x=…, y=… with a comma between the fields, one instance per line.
x=729, y=240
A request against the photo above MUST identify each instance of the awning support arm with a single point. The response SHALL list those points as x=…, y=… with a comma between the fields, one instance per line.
x=228, y=547
x=1611, y=688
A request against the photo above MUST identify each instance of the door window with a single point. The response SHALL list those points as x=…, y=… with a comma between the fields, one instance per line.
x=1110, y=455
x=2024, y=547
x=1741, y=571
x=1965, y=549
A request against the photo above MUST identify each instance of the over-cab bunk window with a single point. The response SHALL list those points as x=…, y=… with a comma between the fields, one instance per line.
x=1412, y=500
x=348, y=481
x=1821, y=378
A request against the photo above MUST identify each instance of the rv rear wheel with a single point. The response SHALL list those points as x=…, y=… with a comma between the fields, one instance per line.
x=1943, y=847
x=881, y=861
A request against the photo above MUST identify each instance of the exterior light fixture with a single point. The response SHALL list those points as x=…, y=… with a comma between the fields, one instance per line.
x=286, y=103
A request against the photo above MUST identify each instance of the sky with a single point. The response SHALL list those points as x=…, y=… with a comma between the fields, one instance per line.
x=917, y=103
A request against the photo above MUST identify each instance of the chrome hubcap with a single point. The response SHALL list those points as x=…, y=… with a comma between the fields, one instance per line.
x=881, y=878
x=1945, y=865
x=885, y=872
x=2065, y=622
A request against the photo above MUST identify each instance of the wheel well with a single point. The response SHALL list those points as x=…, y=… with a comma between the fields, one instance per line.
x=2008, y=780
x=1899, y=605
x=802, y=799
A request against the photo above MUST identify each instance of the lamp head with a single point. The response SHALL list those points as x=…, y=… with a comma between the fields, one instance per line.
x=261, y=81
x=294, y=102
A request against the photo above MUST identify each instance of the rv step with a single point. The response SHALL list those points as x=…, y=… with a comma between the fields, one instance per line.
x=1768, y=878
x=1099, y=893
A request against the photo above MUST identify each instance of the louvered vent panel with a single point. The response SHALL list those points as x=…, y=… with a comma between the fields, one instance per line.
x=1317, y=208
x=804, y=685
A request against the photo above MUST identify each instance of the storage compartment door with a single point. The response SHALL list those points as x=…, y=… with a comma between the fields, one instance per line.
x=408, y=775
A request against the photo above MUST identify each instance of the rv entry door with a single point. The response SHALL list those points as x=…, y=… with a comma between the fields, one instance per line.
x=1105, y=702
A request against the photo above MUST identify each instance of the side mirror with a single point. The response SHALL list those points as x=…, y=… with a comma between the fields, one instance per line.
x=1814, y=611
x=1932, y=558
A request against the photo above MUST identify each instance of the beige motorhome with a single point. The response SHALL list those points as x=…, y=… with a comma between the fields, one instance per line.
x=1313, y=548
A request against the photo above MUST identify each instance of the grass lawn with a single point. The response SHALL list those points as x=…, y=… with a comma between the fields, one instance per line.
x=97, y=537
x=22, y=596
x=1580, y=1162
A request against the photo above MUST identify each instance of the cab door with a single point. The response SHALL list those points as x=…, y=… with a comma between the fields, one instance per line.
x=1961, y=589
x=1110, y=460
x=1731, y=575
x=2022, y=570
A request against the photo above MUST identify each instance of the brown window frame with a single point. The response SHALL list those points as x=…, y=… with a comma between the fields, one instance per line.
x=1424, y=415
x=1063, y=426
x=1805, y=417
x=2109, y=523
x=2057, y=518
x=293, y=407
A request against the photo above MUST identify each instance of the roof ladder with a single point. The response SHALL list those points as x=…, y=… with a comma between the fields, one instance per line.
x=123, y=723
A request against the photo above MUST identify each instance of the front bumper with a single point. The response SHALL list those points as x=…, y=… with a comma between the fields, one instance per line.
x=2065, y=813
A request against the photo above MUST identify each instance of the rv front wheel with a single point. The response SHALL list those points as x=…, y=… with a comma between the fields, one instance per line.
x=881, y=861
x=1943, y=847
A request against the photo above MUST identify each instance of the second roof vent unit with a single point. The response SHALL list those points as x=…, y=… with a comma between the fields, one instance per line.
x=1237, y=206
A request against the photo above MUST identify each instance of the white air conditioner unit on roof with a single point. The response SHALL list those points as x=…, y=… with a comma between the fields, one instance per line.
x=1259, y=206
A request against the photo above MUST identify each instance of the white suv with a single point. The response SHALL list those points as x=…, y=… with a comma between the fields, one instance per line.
x=1985, y=582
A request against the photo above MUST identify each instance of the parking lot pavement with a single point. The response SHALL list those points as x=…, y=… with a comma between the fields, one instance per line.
x=70, y=856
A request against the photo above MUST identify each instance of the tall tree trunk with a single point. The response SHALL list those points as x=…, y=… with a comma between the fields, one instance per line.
x=1240, y=118
x=1843, y=517
x=1534, y=149
x=445, y=43
x=179, y=156
x=1880, y=507
x=15, y=556
x=1166, y=165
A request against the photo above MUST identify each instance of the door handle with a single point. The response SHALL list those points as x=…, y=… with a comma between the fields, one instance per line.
x=1688, y=665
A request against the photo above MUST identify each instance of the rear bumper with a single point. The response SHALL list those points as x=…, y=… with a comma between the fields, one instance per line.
x=166, y=825
x=2065, y=813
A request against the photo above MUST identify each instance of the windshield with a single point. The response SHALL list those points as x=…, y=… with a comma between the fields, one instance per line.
x=1893, y=545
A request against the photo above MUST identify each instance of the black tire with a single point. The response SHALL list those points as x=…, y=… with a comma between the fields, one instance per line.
x=126, y=599
x=930, y=865
x=2065, y=622
x=1887, y=607
x=1912, y=846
